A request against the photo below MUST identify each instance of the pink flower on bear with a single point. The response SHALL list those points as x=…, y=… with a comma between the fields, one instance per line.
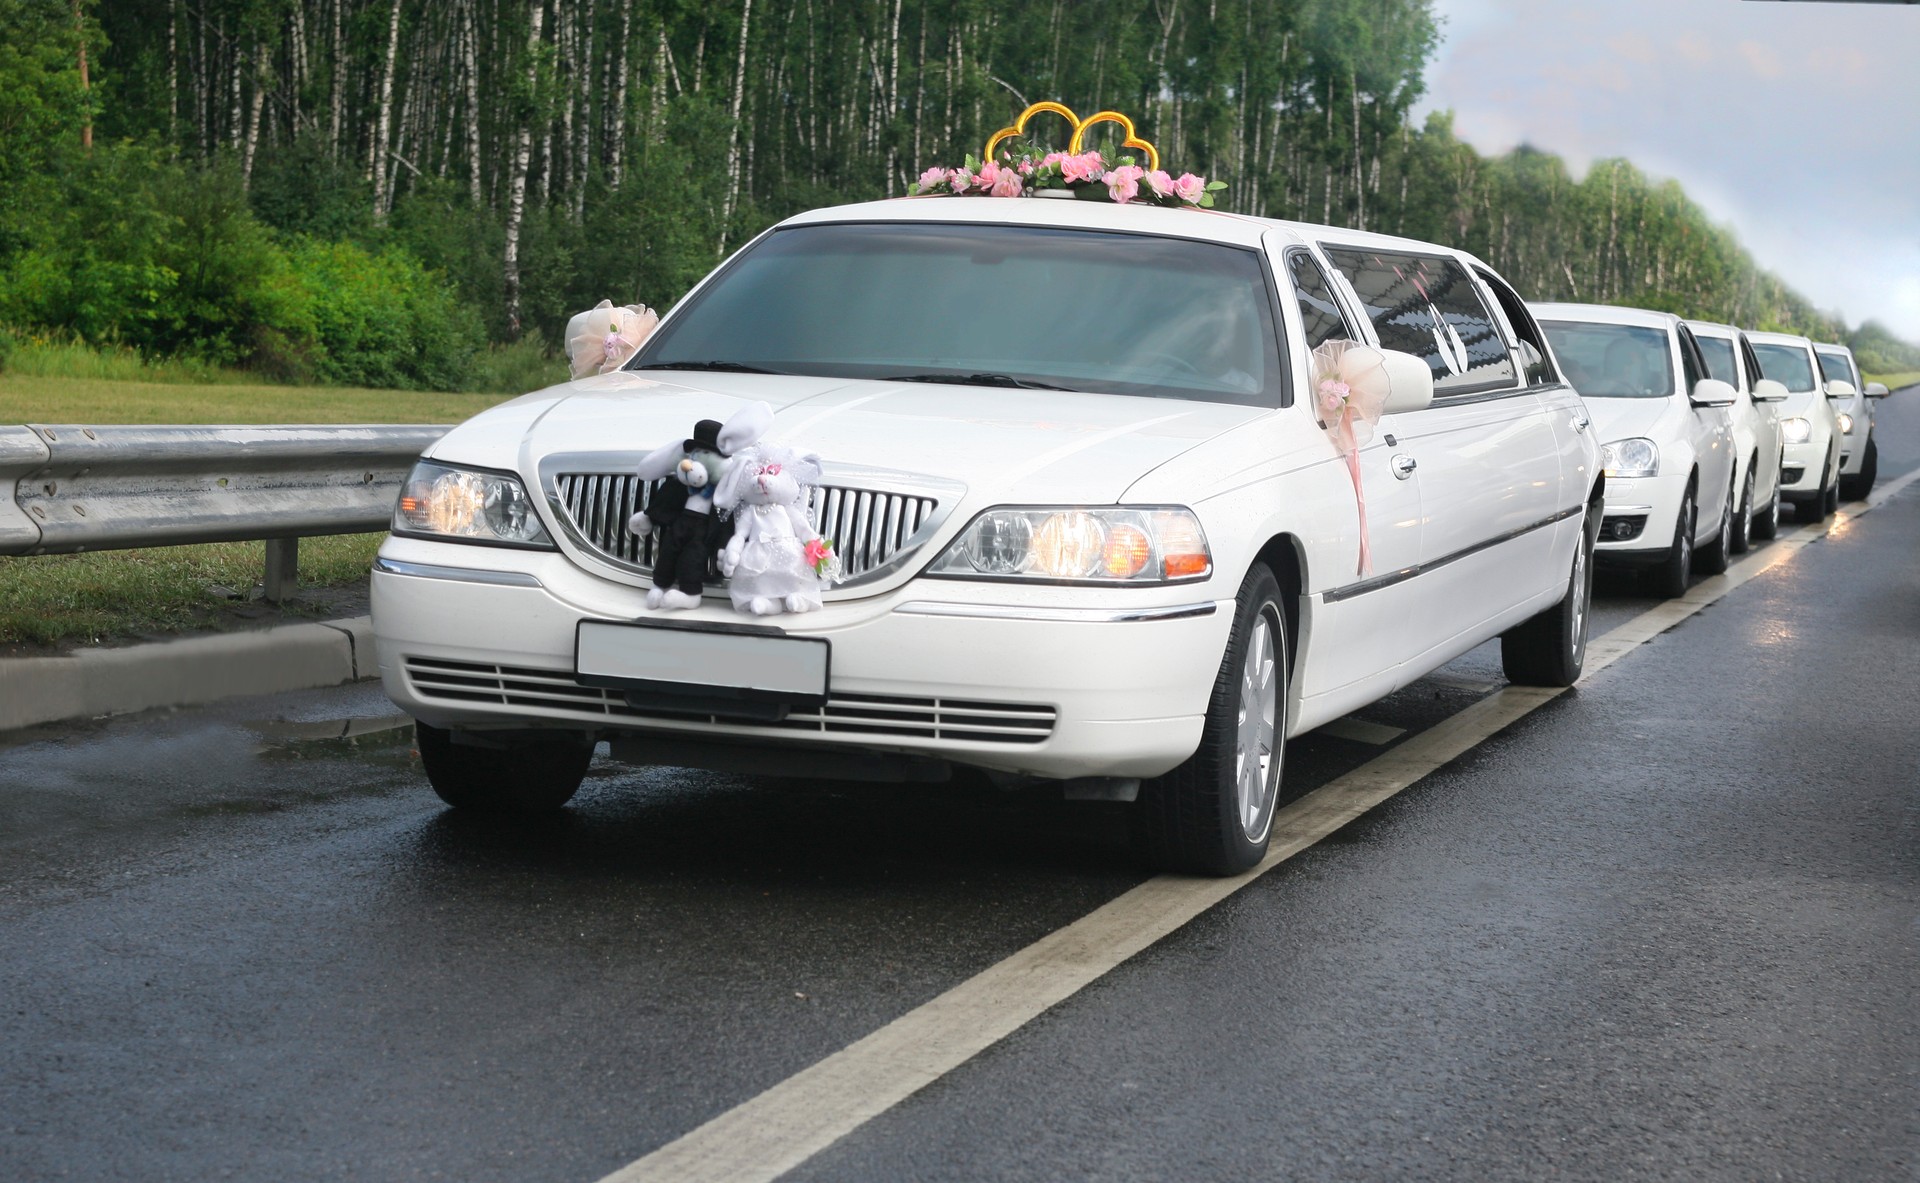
x=1160, y=183
x=1190, y=188
x=1123, y=183
x=932, y=179
x=1008, y=184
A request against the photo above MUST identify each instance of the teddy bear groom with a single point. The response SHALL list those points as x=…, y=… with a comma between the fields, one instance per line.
x=690, y=531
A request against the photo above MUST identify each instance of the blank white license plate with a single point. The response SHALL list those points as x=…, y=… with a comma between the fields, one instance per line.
x=730, y=661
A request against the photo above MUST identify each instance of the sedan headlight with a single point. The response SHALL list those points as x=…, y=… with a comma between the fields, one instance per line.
x=1796, y=430
x=1846, y=423
x=1634, y=457
x=467, y=505
x=1080, y=545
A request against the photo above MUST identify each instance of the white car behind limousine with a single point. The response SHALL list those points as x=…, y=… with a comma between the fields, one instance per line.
x=1091, y=531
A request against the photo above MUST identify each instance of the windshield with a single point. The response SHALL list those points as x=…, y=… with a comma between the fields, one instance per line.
x=1835, y=367
x=1612, y=361
x=1785, y=364
x=1719, y=354
x=990, y=305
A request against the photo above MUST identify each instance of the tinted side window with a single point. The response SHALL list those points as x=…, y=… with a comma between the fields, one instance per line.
x=1834, y=368
x=1319, y=311
x=1721, y=364
x=1427, y=306
x=1754, y=373
x=1691, y=367
x=1539, y=368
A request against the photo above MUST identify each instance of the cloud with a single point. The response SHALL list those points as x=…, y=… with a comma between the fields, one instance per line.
x=1791, y=122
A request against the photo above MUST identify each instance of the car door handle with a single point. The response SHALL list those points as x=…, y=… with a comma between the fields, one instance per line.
x=1580, y=422
x=1403, y=467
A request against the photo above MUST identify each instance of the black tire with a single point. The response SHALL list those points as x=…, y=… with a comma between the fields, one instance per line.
x=1857, y=486
x=1551, y=648
x=1766, y=523
x=1829, y=494
x=534, y=776
x=1193, y=819
x=1712, y=559
x=1671, y=577
x=1743, y=517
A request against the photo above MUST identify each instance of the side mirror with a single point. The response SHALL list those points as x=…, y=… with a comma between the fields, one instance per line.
x=1529, y=355
x=1877, y=390
x=1839, y=389
x=1712, y=392
x=1766, y=390
x=1410, y=380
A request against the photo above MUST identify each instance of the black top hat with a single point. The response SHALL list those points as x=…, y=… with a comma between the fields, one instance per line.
x=706, y=437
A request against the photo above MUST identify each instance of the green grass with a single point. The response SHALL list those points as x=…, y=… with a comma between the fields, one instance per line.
x=119, y=595
x=48, y=599
x=1894, y=381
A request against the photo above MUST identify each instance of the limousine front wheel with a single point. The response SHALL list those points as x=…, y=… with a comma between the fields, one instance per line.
x=530, y=776
x=1213, y=814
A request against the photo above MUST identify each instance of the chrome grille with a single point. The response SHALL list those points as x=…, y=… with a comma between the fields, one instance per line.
x=556, y=692
x=868, y=527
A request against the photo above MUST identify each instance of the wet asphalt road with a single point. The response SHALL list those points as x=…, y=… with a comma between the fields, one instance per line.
x=1666, y=926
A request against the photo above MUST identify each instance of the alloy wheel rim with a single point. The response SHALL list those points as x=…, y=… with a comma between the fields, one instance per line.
x=1582, y=598
x=1255, y=749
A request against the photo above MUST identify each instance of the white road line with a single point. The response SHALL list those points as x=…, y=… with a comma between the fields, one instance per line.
x=763, y=1138
x=1362, y=731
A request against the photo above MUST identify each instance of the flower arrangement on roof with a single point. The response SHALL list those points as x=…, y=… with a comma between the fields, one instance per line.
x=1020, y=168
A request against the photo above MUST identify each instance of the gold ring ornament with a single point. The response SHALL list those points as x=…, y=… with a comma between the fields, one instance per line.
x=1029, y=170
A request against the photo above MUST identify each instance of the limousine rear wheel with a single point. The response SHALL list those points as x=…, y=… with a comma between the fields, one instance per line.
x=533, y=776
x=1551, y=648
x=1213, y=815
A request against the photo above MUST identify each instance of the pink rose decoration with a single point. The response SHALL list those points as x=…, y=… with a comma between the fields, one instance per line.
x=1026, y=167
x=1123, y=183
x=960, y=179
x=1333, y=396
x=1190, y=188
x=1160, y=183
x=932, y=179
x=988, y=174
x=1084, y=167
x=1008, y=184
x=1051, y=159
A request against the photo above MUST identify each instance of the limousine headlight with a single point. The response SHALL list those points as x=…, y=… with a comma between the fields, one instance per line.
x=468, y=505
x=1796, y=430
x=1634, y=457
x=1094, y=544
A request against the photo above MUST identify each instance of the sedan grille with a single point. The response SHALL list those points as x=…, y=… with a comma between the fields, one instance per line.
x=867, y=527
x=555, y=693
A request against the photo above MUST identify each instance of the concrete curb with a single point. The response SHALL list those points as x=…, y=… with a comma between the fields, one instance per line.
x=186, y=672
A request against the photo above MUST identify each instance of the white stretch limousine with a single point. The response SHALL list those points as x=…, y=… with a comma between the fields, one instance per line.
x=1091, y=529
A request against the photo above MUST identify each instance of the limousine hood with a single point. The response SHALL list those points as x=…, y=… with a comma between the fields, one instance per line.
x=1005, y=445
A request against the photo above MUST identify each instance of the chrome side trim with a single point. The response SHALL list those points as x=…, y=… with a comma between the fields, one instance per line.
x=1405, y=573
x=1076, y=615
x=1611, y=508
x=456, y=574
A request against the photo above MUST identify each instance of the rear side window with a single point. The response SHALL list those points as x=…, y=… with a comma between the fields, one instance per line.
x=1720, y=360
x=1319, y=311
x=1532, y=342
x=1428, y=306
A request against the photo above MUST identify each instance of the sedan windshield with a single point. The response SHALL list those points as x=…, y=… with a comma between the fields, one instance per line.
x=1612, y=361
x=1719, y=354
x=1785, y=364
x=1006, y=306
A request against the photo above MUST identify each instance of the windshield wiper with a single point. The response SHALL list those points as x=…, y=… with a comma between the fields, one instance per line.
x=728, y=367
x=980, y=380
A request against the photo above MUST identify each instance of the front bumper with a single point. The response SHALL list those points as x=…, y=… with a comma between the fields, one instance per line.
x=1810, y=461
x=1044, y=681
x=1638, y=526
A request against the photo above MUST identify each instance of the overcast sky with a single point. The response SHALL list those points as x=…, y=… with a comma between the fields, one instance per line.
x=1798, y=124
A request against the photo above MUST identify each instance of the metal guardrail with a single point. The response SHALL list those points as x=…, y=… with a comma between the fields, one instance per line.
x=78, y=488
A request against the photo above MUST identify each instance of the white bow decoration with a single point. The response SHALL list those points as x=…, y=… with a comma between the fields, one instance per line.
x=601, y=339
x=1350, y=388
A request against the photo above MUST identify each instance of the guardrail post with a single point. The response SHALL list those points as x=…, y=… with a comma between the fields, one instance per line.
x=283, y=569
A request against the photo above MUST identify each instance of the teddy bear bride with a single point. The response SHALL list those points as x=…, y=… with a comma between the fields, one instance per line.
x=775, y=561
